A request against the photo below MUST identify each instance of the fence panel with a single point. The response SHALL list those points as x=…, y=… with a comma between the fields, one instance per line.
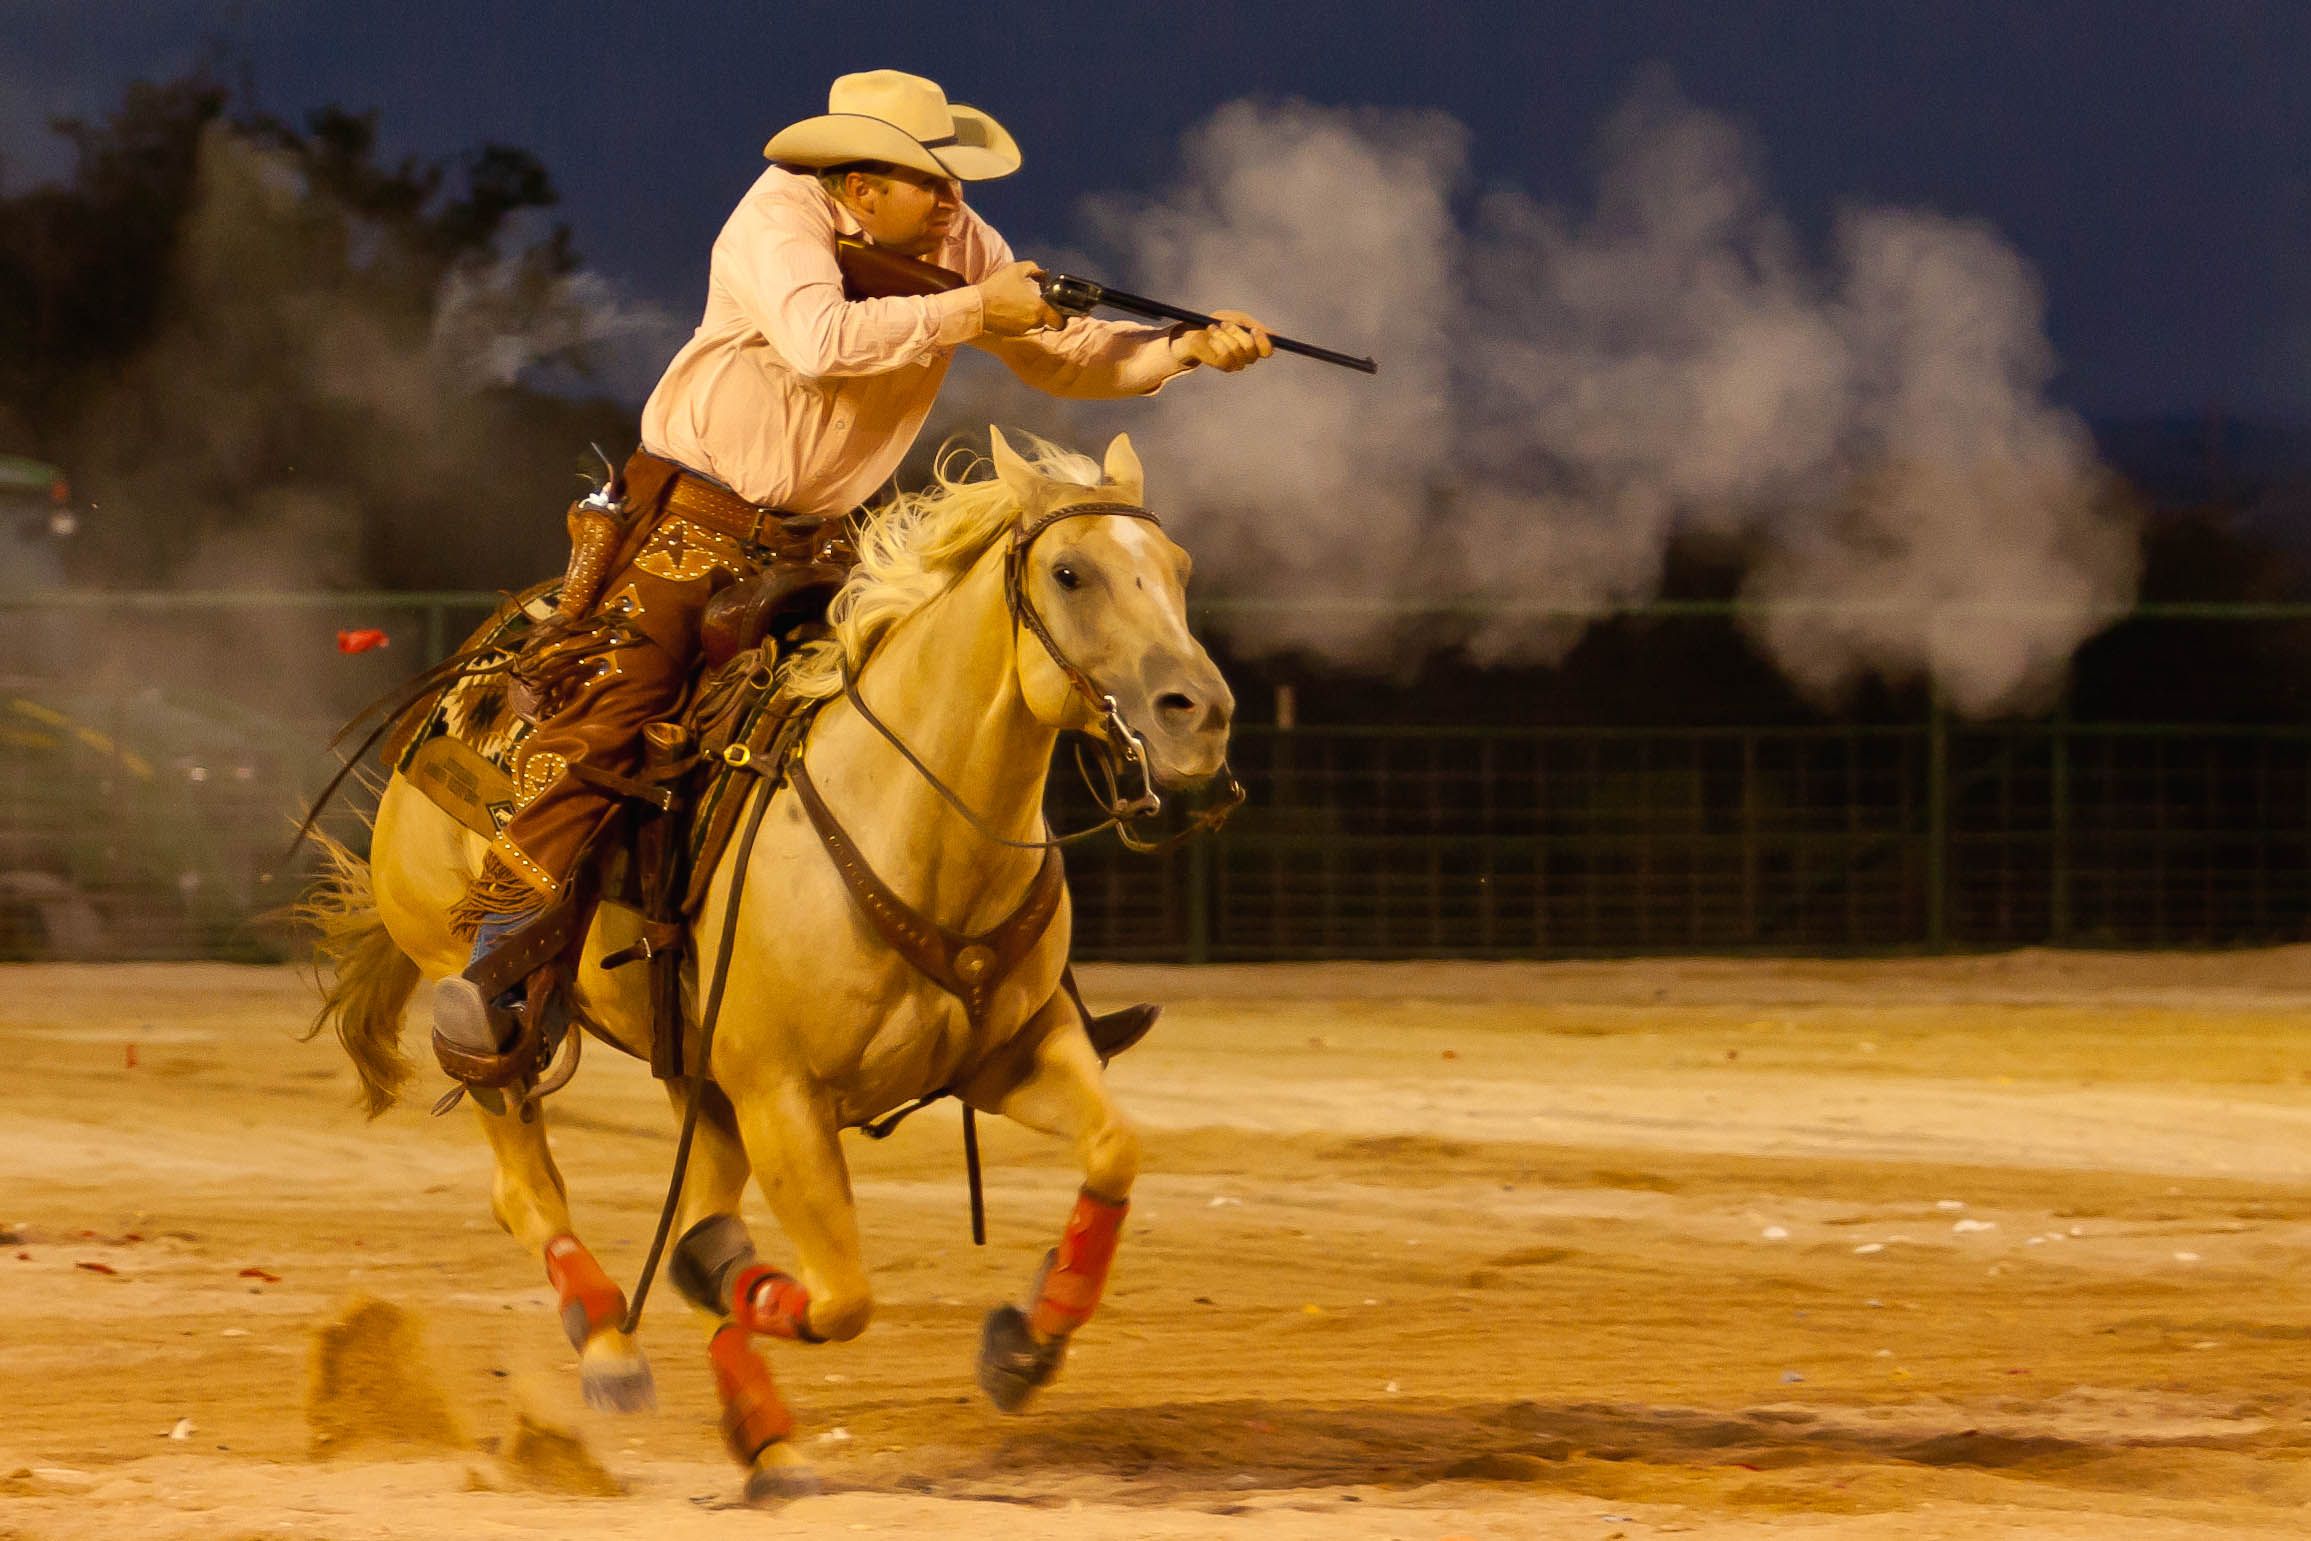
x=145, y=797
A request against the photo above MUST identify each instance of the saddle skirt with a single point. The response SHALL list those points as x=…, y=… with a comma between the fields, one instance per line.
x=462, y=746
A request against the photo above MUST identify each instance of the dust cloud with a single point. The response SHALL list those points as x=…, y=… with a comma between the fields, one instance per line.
x=322, y=406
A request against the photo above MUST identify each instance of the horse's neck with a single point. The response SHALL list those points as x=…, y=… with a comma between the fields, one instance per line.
x=944, y=682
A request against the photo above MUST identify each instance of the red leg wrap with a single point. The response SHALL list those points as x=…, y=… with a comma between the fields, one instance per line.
x=1078, y=1270
x=772, y=1303
x=753, y=1416
x=590, y=1302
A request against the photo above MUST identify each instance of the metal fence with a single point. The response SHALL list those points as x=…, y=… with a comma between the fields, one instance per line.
x=145, y=795
x=1435, y=841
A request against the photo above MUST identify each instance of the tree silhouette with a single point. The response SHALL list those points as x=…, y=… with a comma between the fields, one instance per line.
x=226, y=324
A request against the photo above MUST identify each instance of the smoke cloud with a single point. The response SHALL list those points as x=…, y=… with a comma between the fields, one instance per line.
x=1564, y=391
x=321, y=406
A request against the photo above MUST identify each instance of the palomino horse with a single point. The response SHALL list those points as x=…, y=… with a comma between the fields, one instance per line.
x=824, y=1025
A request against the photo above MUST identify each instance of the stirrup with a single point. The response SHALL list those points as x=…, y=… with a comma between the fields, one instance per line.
x=469, y=1031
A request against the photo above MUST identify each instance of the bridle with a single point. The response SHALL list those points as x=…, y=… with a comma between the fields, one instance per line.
x=1123, y=752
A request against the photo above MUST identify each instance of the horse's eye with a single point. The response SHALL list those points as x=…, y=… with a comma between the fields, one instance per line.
x=1065, y=577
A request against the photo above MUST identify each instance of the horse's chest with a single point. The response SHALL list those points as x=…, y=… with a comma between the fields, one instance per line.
x=923, y=1040
x=878, y=1028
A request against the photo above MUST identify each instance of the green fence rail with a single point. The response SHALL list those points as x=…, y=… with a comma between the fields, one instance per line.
x=146, y=792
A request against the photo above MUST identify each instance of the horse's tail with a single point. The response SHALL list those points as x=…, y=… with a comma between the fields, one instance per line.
x=366, y=978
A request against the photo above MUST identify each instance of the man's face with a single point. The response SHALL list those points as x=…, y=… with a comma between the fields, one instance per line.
x=903, y=210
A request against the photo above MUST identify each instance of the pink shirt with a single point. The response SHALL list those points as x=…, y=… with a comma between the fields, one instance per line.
x=799, y=399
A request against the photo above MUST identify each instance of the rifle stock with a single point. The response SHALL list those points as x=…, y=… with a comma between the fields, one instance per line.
x=871, y=273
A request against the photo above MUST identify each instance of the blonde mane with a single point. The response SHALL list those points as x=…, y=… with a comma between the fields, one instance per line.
x=915, y=547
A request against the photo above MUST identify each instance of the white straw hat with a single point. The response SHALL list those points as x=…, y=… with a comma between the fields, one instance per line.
x=902, y=119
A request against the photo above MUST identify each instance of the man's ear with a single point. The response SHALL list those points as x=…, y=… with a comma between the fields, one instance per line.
x=1123, y=470
x=1018, y=477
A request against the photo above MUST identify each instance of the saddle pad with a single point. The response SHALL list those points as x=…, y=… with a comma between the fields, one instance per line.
x=458, y=746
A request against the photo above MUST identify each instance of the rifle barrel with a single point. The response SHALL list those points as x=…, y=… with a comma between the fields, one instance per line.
x=1141, y=305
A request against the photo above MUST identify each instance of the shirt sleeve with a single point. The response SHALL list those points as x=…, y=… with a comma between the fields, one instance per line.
x=776, y=259
x=1090, y=358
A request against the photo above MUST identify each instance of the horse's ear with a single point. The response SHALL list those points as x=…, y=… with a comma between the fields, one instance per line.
x=1123, y=470
x=1017, y=476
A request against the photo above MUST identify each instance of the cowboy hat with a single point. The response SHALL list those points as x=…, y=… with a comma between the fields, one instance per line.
x=901, y=119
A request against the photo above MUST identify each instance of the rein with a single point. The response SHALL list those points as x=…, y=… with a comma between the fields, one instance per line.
x=704, y=1073
x=953, y=798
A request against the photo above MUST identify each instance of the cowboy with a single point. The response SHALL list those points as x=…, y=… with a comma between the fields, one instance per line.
x=786, y=409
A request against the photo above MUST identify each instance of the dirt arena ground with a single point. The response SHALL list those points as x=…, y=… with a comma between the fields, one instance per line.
x=1993, y=1247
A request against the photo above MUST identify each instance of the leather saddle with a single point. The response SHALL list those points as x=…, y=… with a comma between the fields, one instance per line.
x=784, y=597
x=733, y=715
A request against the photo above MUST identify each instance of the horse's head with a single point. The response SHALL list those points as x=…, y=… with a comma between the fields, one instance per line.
x=1112, y=591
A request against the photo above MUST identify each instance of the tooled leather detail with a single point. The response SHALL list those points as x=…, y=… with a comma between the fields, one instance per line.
x=970, y=968
x=682, y=552
x=540, y=770
x=714, y=506
x=595, y=534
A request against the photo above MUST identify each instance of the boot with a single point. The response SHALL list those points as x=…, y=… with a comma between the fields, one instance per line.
x=1110, y=1032
x=462, y=1014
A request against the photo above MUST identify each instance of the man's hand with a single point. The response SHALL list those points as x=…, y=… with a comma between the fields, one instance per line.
x=1236, y=343
x=1014, y=304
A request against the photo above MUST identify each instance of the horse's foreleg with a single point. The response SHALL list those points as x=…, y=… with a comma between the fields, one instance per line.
x=713, y=1264
x=1062, y=1093
x=792, y=1146
x=529, y=1200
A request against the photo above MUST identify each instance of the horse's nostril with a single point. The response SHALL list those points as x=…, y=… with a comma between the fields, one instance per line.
x=1173, y=703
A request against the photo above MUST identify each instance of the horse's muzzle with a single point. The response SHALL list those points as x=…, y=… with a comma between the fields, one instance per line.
x=1185, y=724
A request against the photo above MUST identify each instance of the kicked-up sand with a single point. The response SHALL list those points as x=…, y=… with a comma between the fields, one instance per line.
x=2007, y=1246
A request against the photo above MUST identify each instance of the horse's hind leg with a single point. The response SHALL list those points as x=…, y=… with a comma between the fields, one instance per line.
x=1061, y=1093
x=715, y=1267
x=529, y=1200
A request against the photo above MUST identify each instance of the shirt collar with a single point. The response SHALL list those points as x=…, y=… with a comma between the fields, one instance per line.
x=846, y=223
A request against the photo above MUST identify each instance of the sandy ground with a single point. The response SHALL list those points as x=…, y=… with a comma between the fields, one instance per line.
x=1996, y=1247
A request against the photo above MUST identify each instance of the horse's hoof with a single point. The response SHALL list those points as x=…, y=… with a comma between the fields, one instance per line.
x=616, y=1376
x=1011, y=1363
x=779, y=1476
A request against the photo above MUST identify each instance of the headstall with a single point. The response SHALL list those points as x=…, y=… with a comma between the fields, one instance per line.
x=1130, y=795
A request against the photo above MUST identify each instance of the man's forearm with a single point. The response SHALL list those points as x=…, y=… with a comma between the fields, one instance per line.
x=1092, y=360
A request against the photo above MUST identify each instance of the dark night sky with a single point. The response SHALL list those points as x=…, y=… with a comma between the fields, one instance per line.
x=2152, y=159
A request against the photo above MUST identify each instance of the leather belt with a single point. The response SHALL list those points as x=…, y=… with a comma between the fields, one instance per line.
x=706, y=502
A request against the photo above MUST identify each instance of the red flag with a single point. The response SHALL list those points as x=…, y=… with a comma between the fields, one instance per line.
x=362, y=641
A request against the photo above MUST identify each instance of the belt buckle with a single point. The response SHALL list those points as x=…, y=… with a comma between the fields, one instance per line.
x=754, y=525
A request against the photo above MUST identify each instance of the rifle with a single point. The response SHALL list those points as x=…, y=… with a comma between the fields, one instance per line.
x=871, y=273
